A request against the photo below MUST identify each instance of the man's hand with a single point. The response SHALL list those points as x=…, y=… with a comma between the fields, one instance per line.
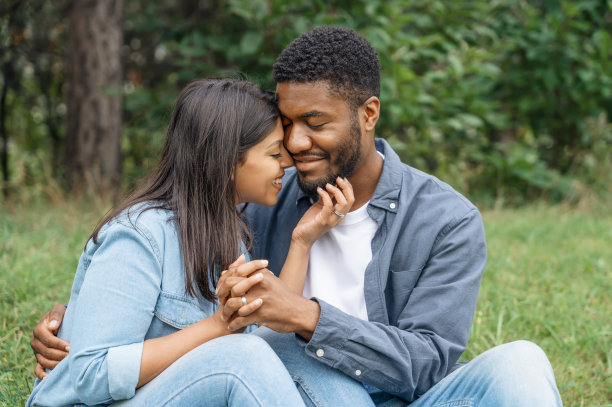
x=48, y=348
x=282, y=310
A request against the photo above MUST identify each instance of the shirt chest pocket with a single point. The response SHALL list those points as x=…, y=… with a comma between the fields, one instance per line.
x=399, y=287
x=180, y=312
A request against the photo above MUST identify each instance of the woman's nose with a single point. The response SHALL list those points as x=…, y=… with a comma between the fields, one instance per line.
x=285, y=159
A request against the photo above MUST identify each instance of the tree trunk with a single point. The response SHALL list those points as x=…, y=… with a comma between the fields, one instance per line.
x=4, y=135
x=93, y=131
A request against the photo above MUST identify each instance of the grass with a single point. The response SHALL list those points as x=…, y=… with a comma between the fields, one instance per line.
x=548, y=280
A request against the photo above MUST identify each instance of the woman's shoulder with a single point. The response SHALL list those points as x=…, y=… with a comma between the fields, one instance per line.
x=148, y=219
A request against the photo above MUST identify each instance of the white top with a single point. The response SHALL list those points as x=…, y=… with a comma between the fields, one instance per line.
x=338, y=260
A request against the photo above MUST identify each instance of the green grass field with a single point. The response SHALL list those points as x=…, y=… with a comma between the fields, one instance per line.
x=548, y=280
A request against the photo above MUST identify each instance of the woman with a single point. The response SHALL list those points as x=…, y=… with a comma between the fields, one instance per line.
x=143, y=320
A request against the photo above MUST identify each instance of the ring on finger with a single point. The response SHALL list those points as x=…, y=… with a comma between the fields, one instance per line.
x=339, y=214
x=243, y=299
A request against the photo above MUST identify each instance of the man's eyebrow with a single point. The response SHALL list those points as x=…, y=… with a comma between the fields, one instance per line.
x=312, y=113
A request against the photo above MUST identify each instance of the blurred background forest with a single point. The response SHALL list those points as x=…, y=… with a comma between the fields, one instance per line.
x=507, y=100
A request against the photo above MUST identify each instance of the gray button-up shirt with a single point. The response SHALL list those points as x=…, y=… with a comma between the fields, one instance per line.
x=421, y=285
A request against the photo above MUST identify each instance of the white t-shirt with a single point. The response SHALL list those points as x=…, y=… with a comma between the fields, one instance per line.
x=338, y=260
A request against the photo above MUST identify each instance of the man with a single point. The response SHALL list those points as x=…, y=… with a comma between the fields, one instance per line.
x=390, y=294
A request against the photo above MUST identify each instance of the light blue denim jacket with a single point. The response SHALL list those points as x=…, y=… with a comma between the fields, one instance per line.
x=128, y=288
x=421, y=286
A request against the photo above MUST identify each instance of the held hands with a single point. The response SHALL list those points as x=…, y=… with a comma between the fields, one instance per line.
x=269, y=302
x=233, y=284
x=328, y=212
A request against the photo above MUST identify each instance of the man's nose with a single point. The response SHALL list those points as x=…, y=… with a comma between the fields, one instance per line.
x=297, y=140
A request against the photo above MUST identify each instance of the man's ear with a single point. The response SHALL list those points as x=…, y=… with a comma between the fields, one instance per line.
x=371, y=113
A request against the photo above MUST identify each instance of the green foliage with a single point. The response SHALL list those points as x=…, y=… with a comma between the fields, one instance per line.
x=506, y=100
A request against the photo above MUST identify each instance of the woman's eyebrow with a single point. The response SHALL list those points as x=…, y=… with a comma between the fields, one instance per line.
x=274, y=143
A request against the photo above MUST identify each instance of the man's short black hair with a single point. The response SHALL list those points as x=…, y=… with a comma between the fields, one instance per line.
x=338, y=55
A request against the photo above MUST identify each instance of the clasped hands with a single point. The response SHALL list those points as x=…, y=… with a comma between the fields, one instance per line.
x=269, y=302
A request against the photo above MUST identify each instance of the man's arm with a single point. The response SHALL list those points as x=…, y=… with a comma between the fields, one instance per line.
x=409, y=355
x=48, y=348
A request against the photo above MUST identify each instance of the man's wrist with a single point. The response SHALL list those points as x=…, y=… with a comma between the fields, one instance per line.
x=307, y=319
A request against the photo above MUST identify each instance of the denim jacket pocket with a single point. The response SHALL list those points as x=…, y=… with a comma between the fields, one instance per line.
x=178, y=311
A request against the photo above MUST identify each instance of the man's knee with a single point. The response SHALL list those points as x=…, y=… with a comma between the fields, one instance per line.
x=521, y=356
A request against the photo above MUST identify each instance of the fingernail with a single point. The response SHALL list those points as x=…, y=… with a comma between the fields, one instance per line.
x=53, y=324
x=258, y=301
x=258, y=276
x=223, y=272
x=319, y=189
x=264, y=263
x=68, y=348
x=345, y=179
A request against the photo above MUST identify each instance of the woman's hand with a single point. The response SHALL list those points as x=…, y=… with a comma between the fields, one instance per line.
x=234, y=284
x=325, y=214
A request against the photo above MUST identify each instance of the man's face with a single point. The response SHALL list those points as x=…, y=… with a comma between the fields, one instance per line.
x=322, y=133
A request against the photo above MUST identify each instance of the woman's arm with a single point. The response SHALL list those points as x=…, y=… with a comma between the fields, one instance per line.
x=317, y=220
x=159, y=353
x=109, y=357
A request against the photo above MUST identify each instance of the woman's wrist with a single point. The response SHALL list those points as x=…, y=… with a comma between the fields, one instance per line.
x=218, y=326
x=300, y=244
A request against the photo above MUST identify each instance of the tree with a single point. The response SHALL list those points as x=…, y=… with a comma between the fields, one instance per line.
x=93, y=131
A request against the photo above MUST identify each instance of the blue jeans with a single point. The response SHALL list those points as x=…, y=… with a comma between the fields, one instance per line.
x=234, y=370
x=517, y=374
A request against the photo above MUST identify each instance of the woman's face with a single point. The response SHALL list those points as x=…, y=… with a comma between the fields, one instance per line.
x=259, y=177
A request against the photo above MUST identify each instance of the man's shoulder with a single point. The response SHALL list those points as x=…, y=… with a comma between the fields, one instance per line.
x=429, y=188
x=420, y=192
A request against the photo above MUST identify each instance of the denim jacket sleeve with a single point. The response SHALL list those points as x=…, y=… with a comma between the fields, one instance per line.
x=408, y=355
x=113, y=313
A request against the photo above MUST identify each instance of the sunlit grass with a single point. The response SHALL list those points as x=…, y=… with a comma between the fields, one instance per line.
x=548, y=280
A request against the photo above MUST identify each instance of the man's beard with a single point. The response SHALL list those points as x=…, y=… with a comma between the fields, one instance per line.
x=348, y=154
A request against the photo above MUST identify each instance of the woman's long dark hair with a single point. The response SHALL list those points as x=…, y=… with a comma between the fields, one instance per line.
x=214, y=123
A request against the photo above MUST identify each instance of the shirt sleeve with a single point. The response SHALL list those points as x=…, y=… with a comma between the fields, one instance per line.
x=113, y=313
x=407, y=358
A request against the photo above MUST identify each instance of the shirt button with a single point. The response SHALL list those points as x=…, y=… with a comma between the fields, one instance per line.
x=357, y=372
x=392, y=205
x=320, y=353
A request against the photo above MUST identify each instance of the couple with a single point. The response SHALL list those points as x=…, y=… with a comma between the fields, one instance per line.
x=378, y=264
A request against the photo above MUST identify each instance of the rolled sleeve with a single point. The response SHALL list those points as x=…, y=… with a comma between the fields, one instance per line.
x=123, y=363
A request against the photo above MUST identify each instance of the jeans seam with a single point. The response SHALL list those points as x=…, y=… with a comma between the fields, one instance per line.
x=311, y=395
x=458, y=403
x=179, y=391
